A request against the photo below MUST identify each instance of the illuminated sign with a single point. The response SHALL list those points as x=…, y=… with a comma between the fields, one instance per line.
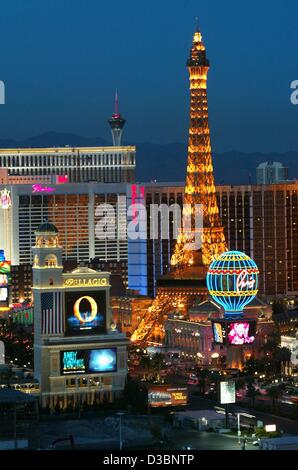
x=242, y=332
x=61, y=179
x=3, y=280
x=5, y=199
x=135, y=195
x=164, y=395
x=244, y=280
x=227, y=392
x=39, y=188
x=270, y=428
x=99, y=282
x=5, y=267
x=103, y=360
x=73, y=362
x=218, y=333
x=5, y=276
x=88, y=361
x=85, y=313
x=3, y=294
x=232, y=280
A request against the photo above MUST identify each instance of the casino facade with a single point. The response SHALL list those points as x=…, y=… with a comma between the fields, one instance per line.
x=79, y=356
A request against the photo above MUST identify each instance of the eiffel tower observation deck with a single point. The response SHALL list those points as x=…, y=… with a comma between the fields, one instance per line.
x=177, y=290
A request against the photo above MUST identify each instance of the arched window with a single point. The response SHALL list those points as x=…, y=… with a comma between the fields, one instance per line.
x=51, y=282
x=40, y=241
x=51, y=261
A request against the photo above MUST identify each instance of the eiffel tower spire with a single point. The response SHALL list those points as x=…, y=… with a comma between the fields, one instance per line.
x=185, y=283
x=199, y=184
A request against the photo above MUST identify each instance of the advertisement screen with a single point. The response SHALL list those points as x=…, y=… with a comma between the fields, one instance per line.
x=3, y=294
x=88, y=361
x=4, y=280
x=242, y=332
x=5, y=267
x=160, y=395
x=218, y=331
x=85, y=313
x=227, y=392
x=103, y=360
x=73, y=362
x=234, y=333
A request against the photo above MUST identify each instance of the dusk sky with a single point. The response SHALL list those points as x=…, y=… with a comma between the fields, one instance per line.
x=61, y=61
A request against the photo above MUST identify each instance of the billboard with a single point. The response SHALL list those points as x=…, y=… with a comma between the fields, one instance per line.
x=73, y=362
x=5, y=267
x=241, y=332
x=165, y=395
x=234, y=333
x=5, y=270
x=5, y=199
x=85, y=313
x=227, y=392
x=218, y=332
x=88, y=361
x=4, y=281
x=3, y=294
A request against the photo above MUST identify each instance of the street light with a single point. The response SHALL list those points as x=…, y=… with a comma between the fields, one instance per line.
x=120, y=414
x=239, y=429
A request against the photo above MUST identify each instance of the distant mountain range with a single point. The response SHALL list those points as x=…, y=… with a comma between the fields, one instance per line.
x=167, y=162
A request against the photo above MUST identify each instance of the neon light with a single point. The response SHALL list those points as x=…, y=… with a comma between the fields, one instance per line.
x=3, y=280
x=39, y=188
x=239, y=334
x=243, y=282
x=62, y=179
x=5, y=199
x=134, y=196
x=232, y=281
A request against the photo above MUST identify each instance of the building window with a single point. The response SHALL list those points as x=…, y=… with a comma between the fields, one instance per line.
x=51, y=261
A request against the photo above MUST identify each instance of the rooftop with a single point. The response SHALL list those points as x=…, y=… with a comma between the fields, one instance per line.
x=47, y=227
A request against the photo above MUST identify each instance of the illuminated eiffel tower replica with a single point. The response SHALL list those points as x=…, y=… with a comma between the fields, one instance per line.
x=177, y=290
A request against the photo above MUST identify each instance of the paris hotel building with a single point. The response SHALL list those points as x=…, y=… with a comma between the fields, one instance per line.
x=261, y=220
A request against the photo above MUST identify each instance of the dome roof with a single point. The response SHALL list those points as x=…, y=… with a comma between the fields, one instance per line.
x=47, y=227
x=84, y=270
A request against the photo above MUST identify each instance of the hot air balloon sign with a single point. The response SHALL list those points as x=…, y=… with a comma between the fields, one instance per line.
x=233, y=281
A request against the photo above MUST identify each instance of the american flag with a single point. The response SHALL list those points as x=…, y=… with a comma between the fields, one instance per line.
x=51, y=313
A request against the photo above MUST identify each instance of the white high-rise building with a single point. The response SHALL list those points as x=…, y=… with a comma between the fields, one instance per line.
x=271, y=173
x=78, y=164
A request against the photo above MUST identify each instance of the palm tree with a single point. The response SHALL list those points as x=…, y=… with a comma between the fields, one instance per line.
x=251, y=392
x=281, y=356
x=146, y=364
x=270, y=347
x=203, y=376
x=157, y=363
x=275, y=393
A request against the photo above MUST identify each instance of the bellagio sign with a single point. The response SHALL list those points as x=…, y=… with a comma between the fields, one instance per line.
x=83, y=282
